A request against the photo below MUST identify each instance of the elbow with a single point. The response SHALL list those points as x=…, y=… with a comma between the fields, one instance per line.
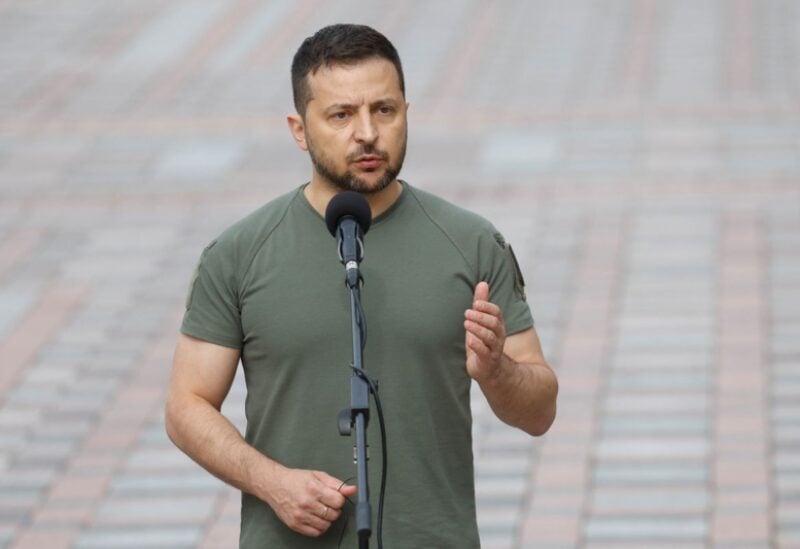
x=542, y=423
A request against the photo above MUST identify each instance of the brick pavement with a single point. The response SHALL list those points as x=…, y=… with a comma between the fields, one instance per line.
x=643, y=157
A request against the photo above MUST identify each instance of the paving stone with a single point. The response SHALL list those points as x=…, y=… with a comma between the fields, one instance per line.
x=785, y=412
x=742, y=499
x=501, y=465
x=786, y=459
x=687, y=403
x=675, y=380
x=652, y=500
x=788, y=537
x=56, y=375
x=498, y=519
x=153, y=536
x=151, y=459
x=7, y=532
x=14, y=303
x=55, y=537
x=198, y=160
x=656, y=529
x=629, y=340
x=36, y=395
x=650, y=473
x=628, y=424
x=19, y=497
x=31, y=479
x=650, y=544
x=10, y=441
x=197, y=482
x=695, y=359
x=679, y=448
x=148, y=511
x=498, y=490
x=44, y=453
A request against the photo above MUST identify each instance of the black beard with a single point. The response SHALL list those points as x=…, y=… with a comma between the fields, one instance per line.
x=348, y=181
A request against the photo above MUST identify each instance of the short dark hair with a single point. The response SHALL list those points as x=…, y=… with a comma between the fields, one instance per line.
x=338, y=44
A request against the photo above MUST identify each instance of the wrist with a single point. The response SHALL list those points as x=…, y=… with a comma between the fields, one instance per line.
x=264, y=478
x=496, y=376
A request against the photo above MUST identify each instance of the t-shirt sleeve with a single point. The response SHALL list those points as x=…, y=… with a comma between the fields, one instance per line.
x=212, y=311
x=499, y=267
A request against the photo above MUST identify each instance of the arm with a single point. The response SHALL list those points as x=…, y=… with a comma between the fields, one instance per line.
x=202, y=373
x=511, y=371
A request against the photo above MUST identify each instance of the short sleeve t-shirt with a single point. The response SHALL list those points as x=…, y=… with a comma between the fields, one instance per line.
x=273, y=287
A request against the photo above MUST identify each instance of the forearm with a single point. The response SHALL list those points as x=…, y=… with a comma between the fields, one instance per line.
x=523, y=395
x=210, y=439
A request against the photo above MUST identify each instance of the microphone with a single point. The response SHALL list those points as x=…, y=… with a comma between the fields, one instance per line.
x=348, y=218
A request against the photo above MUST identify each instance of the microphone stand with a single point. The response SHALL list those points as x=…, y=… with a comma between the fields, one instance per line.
x=358, y=413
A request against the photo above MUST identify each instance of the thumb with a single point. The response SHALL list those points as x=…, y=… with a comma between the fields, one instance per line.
x=481, y=292
x=335, y=483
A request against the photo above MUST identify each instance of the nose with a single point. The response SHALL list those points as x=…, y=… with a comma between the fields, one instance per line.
x=365, y=130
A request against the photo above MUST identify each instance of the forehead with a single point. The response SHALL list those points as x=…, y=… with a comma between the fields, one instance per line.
x=354, y=83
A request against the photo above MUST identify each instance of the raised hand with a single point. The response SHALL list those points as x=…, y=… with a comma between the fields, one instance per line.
x=485, y=335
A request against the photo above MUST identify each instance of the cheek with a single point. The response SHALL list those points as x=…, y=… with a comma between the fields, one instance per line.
x=398, y=138
x=330, y=146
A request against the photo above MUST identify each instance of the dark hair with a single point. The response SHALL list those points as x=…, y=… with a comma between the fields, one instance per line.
x=338, y=44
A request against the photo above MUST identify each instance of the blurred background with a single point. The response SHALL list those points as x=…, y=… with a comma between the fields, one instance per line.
x=642, y=156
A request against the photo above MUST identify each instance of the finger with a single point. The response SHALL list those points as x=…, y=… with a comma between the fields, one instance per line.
x=332, y=515
x=332, y=499
x=488, y=307
x=479, y=348
x=486, y=320
x=485, y=335
x=328, y=513
x=316, y=524
x=329, y=481
x=309, y=530
x=307, y=523
x=481, y=292
x=330, y=494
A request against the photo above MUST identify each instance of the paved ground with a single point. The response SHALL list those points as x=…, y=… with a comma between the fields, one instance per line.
x=643, y=157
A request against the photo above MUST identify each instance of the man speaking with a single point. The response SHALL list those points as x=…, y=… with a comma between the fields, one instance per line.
x=445, y=304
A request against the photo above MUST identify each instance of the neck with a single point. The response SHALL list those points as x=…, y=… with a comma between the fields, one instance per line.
x=319, y=193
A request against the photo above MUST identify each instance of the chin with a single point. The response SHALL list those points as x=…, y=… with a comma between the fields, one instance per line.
x=375, y=184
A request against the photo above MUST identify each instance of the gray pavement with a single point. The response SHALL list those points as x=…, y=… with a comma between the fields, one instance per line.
x=643, y=158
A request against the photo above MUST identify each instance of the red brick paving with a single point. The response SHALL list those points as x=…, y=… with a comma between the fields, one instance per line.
x=652, y=210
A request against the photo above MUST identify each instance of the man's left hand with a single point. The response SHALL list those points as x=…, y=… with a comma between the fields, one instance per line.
x=485, y=336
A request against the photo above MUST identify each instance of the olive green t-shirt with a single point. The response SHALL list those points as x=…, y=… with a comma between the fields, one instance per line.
x=273, y=287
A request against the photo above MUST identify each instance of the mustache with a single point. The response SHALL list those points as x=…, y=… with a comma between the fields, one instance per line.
x=368, y=150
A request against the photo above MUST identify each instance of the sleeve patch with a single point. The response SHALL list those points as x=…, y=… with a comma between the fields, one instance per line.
x=519, y=280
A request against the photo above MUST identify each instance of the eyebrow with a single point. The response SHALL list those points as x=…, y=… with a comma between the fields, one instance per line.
x=350, y=106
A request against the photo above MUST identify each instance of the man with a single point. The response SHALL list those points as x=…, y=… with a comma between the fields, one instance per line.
x=444, y=303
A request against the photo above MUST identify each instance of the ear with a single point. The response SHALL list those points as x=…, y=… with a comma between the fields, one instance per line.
x=298, y=129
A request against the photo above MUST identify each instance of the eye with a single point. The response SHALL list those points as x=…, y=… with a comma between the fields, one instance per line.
x=339, y=115
x=385, y=109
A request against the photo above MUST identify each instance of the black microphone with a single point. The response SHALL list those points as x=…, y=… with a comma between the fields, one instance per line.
x=348, y=218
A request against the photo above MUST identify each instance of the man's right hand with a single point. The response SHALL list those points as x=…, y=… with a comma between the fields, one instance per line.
x=308, y=502
x=202, y=373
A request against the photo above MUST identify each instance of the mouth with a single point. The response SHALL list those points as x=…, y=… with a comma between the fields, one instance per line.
x=368, y=162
